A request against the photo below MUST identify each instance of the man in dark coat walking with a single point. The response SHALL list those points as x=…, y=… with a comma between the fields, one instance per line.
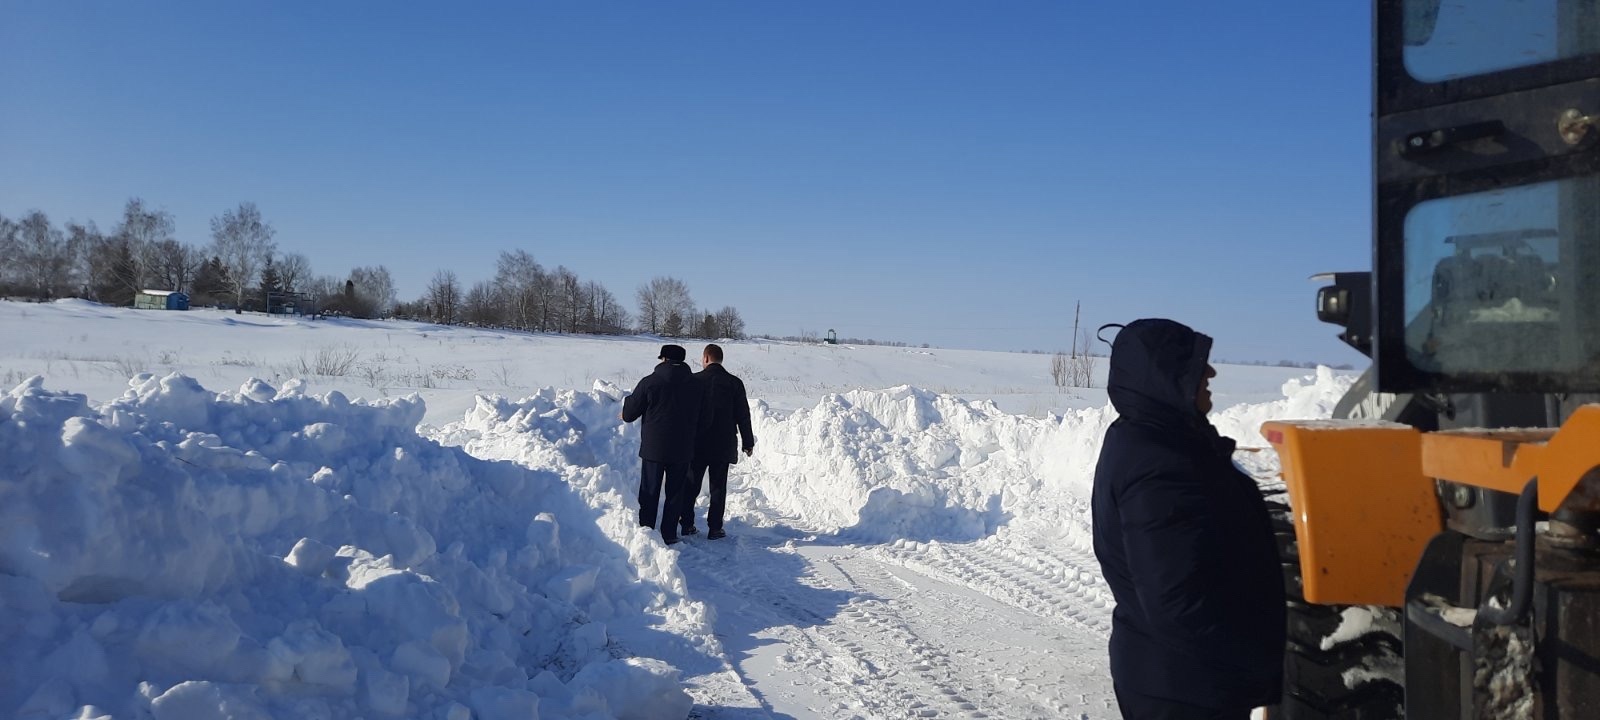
x=669, y=400
x=1184, y=540
x=719, y=446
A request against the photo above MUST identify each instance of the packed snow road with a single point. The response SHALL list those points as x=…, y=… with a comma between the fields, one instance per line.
x=831, y=626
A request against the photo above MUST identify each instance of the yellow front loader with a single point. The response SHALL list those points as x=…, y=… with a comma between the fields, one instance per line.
x=1441, y=536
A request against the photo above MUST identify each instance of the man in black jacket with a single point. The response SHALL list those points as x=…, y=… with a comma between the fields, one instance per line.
x=1184, y=541
x=718, y=447
x=669, y=400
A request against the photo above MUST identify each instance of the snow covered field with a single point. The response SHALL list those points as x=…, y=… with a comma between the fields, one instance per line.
x=298, y=519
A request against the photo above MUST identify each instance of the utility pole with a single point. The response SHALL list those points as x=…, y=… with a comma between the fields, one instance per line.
x=1076, y=311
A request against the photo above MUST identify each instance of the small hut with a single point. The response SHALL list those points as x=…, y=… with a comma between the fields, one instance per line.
x=161, y=300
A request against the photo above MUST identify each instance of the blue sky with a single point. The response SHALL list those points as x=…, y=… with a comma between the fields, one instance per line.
x=957, y=173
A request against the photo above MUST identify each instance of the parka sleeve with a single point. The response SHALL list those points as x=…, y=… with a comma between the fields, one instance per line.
x=634, y=405
x=742, y=414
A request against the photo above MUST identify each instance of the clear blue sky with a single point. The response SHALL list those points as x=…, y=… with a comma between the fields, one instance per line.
x=958, y=173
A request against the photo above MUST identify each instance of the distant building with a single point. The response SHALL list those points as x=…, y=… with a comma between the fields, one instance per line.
x=290, y=303
x=161, y=300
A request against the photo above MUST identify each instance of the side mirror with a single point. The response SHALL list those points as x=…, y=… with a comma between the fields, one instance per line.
x=1348, y=304
x=1333, y=305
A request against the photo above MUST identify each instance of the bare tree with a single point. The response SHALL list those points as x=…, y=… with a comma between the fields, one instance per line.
x=605, y=314
x=651, y=312
x=143, y=230
x=172, y=264
x=729, y=323
x=374, y=287
x=517, y=278
x=665, y=306
x=570, y=303
x=244, y=243
x=546, y=302
x=482, y=307
x=294, y=271
x=1075, y=369
x=444, y=298
x=1080, y=365
x=325, y=291
x=678, y=300
x=84, y=240
x=8, y=251
x=43, y=257
x=107, y=267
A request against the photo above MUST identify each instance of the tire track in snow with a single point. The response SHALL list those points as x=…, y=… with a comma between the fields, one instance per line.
x=891, y=649
x=869, y=658
x=1009, y=627
x=1046, y=582
x=992, y=658
x=922, y=677
x=825, y=665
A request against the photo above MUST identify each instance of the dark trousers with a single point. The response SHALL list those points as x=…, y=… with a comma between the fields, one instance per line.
x=1144, y=707
x=719, y=492
x=652, y=476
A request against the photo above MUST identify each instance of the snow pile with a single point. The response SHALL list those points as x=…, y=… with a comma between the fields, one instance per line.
x=907, y=463
x=1310, y=398
x=580, y=437
x=178, y=553
x=902, y=463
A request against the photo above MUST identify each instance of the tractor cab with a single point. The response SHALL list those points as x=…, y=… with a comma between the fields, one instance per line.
x=1487, y=196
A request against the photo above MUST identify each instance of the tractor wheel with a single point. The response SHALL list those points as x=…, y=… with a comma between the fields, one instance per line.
x=1343, y=662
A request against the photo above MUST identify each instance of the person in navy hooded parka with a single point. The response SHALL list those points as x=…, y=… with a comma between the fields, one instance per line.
x=1184, y=540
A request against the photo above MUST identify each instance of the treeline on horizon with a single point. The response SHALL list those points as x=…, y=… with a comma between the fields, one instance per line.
x=242, y=269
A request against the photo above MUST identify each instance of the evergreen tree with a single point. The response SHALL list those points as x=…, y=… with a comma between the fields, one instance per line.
x=271, y=288
x=210, y=283
x=121, y=283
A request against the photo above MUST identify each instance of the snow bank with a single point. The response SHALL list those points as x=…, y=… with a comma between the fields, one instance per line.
x=178, y=553
x=580, y=437
x=907, y=463
x=902, y=463
x=1309, y=398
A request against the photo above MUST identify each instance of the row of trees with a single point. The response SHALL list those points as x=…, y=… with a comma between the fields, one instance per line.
x=241, y=268
x=524, y=295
